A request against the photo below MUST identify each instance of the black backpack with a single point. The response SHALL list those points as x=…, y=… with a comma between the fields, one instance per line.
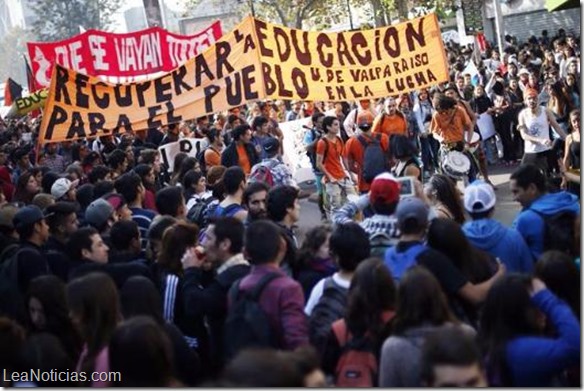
x=558, y=232
x=247, y=325
x=374, y=158
x=198, y=213
x=330, y=307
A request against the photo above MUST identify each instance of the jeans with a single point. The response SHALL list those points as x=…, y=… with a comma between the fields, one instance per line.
x=430, y=149
x=337, y=194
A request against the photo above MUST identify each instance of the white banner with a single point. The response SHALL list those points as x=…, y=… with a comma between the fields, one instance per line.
x=294, y=150
x=190, y=146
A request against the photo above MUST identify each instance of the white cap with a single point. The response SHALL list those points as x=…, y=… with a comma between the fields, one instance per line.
x=62, y=186
x=479, y=197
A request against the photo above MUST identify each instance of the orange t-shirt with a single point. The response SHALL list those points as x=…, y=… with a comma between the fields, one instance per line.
x=451, y=127
x=243, y=159
x=395, y=124
x=213, y=158
x=332, y=160
x=354, y=151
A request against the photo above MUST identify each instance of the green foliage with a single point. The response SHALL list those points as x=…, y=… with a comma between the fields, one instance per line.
x=60, y=19
x=12, y=47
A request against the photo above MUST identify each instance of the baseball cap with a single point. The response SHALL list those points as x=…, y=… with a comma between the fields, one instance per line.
x=384, y=188
x=115, y=200
x=28, y=215
x=523, y=71
x=272, y=145
x=479, y=197
x=62, y=186
x=98, y=213
x=412, y=208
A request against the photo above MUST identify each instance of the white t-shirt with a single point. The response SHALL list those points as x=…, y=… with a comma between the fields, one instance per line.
x=318, y=289
x=537, y=127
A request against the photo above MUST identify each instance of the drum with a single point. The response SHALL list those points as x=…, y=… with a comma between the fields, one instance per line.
x=455, y=164
x=475, y=142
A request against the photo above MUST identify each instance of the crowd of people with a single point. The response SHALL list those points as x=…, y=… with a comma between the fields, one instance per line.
x=112, y=264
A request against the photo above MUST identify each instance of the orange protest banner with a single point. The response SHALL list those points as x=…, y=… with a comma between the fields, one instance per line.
x=257, y=60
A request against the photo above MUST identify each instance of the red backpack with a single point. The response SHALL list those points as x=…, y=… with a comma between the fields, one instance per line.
x=357, y=366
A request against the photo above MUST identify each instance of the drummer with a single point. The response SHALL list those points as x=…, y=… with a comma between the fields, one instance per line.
x=451, y=125
x=452, y=92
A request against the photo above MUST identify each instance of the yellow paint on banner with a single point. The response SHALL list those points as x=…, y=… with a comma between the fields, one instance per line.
x=257, y=60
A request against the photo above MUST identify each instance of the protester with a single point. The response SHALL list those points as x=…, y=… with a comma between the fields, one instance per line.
x=314, y=261
x=489, y=235
x=444, y=198
x=451, y=358
x=94, y=309
x=254, y=200
x=401, y=354
x=511, y=336
x=546, y=221
x=371, y=304
x=329, y=152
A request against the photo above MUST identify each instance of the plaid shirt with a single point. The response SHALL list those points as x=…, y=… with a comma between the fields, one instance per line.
x=372, y=225
x=280, y=171
x=55, y=163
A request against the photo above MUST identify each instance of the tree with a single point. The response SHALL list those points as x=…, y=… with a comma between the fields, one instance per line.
x=61, y=19
x=12, y=49
x=299, y=14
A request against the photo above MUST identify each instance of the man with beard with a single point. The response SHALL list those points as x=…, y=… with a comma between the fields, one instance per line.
x=223, y=245
x=254, y=200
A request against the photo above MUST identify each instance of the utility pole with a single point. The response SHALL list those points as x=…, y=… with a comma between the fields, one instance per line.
x=499, y=29
x=252, y=8
x=350, y=16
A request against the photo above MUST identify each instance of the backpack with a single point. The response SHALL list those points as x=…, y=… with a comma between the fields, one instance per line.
x=247, y=324
x=330, y=307
x=311, y=150
x=201, y=158
x=262, y=173
x=357, y=365
x=379, y=242
x=558, y=232
x=197, y=213
x=399, y=263
x=374, y=158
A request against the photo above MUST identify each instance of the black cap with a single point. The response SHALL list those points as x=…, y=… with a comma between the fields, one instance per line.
x=28, y=215
x=272, y=145
x=62, y=208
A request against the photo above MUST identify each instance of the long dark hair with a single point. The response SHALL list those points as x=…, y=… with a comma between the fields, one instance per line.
x=94, y=304
x=421, y=301
x=175, y=241
x=371, y=293
x=139, y=296
x=447, y=193
x=50, y=291
x=561, y=275
x=507, y=312
x=315, y=238
x=21, y=194
x=142, y=353
x=447, y=237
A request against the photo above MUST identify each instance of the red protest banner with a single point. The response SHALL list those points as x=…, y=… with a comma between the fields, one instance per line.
x=99, y=53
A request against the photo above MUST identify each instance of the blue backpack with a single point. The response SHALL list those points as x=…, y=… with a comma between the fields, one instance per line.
x=399, y=262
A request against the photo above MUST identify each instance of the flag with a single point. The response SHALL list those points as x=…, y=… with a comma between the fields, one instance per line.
x=472, y=70
x=29, y=77
x=12, y=91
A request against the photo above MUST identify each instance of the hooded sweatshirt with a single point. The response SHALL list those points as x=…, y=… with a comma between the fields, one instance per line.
x=501, y=242
x=531, y=225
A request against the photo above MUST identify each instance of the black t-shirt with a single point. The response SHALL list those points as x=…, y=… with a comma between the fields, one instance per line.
x=449, y=277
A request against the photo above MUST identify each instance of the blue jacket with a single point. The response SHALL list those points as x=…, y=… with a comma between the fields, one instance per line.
x=504, y=243
x=531, y=226
x=534, y=361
